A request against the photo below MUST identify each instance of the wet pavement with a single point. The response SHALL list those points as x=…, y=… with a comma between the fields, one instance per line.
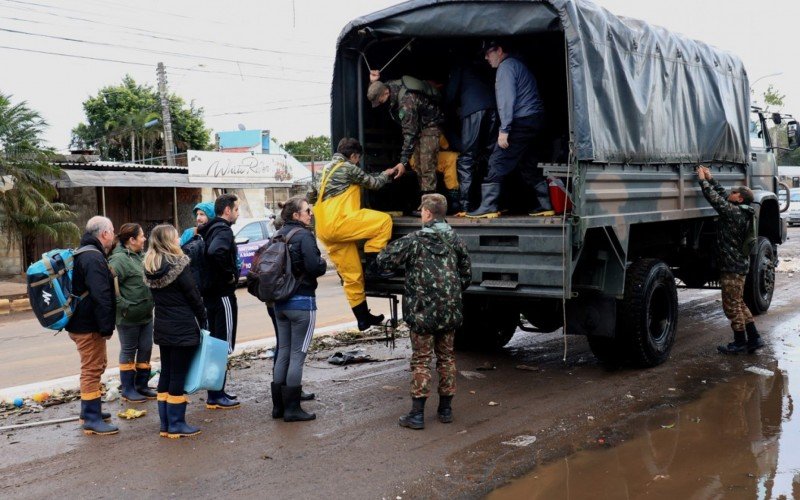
x=698, y=426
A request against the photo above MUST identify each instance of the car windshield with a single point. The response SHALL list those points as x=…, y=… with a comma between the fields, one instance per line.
x=795, y=196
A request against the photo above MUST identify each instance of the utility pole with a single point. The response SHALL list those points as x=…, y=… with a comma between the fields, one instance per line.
x=169, y=147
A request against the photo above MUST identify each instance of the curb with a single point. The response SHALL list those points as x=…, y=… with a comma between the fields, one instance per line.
x=73, y=381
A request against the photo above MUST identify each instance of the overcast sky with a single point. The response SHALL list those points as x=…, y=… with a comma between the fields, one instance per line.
x=267, y=64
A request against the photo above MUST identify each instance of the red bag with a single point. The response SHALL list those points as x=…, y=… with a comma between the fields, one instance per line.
x=559, y=197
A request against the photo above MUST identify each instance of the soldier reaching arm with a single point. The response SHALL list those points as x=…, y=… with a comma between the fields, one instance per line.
x=734, y=217
x=437, y=271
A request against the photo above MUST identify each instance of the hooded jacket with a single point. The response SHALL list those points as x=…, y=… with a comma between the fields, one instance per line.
x=221, y=256
x=437, y=269
x=208, y=209
x=179, y=310
x=135, y=303
x=95, y=312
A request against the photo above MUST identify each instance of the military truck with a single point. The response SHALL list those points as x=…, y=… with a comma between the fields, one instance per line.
x=632, y=110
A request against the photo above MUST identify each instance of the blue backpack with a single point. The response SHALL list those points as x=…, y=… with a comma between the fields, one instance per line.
x=50, y=287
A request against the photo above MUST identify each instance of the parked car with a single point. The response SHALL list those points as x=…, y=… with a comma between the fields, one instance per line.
x=794, y=207
x=250, y=235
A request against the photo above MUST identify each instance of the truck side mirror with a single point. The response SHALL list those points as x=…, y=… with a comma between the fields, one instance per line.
x=776, y=118
x=792, y=134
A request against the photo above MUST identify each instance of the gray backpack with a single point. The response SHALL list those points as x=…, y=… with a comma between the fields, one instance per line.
x=270, y=278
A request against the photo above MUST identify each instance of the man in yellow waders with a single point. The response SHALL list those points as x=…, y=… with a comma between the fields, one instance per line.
x=341, y=222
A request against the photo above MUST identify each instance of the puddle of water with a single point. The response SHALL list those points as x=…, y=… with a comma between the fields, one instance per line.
x=741, y=439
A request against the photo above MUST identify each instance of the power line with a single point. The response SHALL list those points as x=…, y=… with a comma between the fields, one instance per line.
x=141, y=49
x=269, y=109
x=162, y=35
x=133, y=63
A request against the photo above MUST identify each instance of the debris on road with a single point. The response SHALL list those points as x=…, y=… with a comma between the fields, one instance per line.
x=521, y=441
x=486, y=367
x=759, y=371
x=350, y=358
x=492, y=403
x=131, y=413
x=527, y=368
x=471, y=375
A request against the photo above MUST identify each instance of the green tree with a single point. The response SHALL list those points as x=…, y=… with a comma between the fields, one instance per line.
x=27, y=196
x=117, y=116
x=311, y=148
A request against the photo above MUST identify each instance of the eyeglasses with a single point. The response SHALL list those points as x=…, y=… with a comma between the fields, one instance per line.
x=307, y=210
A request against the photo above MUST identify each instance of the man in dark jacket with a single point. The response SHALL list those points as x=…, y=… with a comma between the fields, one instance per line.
x=93, y=321
x=469, y=91
x=220, y=295
x=733, y=260
x=437, y=270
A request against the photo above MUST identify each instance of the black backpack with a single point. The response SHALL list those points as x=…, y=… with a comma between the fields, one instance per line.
x=195, y=249
x=270, y=278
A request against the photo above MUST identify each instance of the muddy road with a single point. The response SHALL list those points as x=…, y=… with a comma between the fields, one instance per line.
x=571, y=429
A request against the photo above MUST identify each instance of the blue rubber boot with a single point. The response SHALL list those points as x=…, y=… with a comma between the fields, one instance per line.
x=176, y=419
x=128, y=388
x=141, y=379
x=92, y=419
x=162, y=413
x=218, y=401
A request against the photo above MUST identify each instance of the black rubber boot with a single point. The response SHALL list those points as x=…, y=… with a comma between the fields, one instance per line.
x=454, y=202
x=490, y=195
x=162, y=413
x=277, y=400
x=218, y=401
x=140, y=381
x=739, y=344
x=292, y=412
x=754, y=341
x=307, y=396
x=176, y=419
x=92, y=420
x=544, y=208
x=128, y=390
x=445, y=411
x=371, y=270
x=232, y=397
x=364, y=318
x=416, y=417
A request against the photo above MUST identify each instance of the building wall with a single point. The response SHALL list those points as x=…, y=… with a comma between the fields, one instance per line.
x=10, y=251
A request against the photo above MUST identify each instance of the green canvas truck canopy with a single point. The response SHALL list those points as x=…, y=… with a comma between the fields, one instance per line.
x=640, y=94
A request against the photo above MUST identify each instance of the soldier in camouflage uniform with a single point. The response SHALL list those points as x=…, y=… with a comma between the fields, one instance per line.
x=734, y=262
x=437, y=269
x=341, y=222
x=419, y=115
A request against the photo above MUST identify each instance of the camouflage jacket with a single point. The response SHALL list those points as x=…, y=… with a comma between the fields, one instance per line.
x=437, y=269
x=414, y=112
x=344, y=177
x=731, y=230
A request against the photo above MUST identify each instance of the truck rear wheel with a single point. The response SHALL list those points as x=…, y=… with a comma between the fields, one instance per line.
x=607, y=350
x=648, y=313
x=487, y=325
x=760, y=281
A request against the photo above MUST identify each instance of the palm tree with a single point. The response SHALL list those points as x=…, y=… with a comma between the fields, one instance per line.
x=27, y=195
x=127, y=128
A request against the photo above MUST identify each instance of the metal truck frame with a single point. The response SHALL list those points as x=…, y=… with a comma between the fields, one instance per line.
x=638, y=108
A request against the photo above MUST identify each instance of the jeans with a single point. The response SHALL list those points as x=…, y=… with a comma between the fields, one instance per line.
x=136, y=343
x=295, y=329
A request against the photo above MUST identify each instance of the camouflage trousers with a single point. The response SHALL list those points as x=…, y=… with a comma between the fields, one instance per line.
x=426, y=157
x=423, y=347
x=733, y=302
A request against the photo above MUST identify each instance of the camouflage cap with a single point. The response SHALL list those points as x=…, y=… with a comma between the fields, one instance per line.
x=374, y=93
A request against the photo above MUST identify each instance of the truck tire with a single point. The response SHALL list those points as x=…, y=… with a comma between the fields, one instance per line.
x=488, y=326
x=760, y=281
x=648, y=314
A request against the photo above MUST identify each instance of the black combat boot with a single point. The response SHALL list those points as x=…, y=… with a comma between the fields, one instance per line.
x=454, y=202
x=445, y=412
x=140, y=381
x=754, y=341
x=365, y=318
x=490, y=196
x=292, y=411
x=738, y=345
x=371, y=271
x=416, y=417
x=277, y=400
x=128, y=390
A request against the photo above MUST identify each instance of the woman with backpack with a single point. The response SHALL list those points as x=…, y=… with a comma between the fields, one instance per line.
x=179, y=314
x=296, y=315
x=134, y=314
